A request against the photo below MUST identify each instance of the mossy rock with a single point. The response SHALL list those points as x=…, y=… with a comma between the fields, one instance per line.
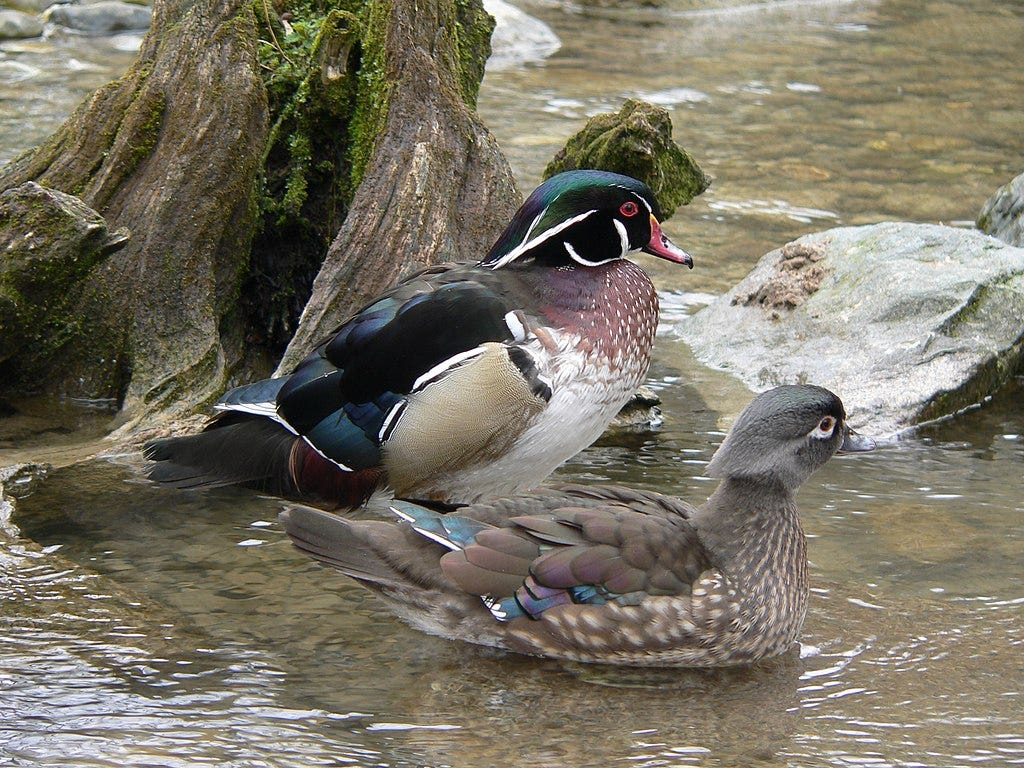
x=636, y=141
x=906, y=322
x=1002, y=215
x=49, y=242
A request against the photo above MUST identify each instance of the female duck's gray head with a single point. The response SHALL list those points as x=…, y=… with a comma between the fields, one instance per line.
x=784, y=435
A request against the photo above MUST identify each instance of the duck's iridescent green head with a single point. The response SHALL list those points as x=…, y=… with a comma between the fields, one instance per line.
x=586, y=218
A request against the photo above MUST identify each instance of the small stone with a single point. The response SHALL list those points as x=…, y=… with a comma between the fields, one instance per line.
x=15, y=25
x=1002, y=215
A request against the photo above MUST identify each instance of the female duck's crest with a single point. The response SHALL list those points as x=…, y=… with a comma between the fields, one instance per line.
x=588, y=218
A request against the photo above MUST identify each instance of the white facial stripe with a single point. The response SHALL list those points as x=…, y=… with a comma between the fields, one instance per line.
x=623, y=237
x=520, y=249
x=533, y=226
x=638, y=197
x=581, y=260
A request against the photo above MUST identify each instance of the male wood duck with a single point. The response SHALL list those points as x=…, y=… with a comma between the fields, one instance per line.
x=465, y=380
x=608, y=574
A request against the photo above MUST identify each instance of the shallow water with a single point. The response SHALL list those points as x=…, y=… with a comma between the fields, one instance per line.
x=160, y=628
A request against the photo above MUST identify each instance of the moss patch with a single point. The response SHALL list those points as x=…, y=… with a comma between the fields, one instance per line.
x=310, y=58
x=636, y=141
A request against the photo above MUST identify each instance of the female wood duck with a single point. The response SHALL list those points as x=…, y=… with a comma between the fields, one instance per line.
x=607, y=574
x=465, y=380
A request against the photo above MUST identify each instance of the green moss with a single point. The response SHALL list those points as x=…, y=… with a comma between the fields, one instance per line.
x=329, y=83
x=374, y=89
x=311, y=71
x=636, y=141
x=473, y=44
x=147, y=133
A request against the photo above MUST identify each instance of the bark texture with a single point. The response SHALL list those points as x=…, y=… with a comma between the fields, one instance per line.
x=436, y=186
x=167, y=153
x=368, y=133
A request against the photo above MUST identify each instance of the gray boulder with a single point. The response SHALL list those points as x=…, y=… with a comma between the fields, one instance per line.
x=101, y=18
x=1002, y=215
x=34, y=7
x=906, y=322
x=15, y=25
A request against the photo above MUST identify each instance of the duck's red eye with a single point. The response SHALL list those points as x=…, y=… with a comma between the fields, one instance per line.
x=629, y=208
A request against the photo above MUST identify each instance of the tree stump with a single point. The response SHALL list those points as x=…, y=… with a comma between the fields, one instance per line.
x=436, y=186
x=177, y=152
x=170, y=152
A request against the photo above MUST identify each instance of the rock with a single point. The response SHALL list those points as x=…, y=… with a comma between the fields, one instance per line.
x=17, y=25
x=18, y=480
x=906, y=322
x=518, y=38
x=49, y=241
x=636, y=141
x=1002, y=215
x=641, y=412
x=100, y=18
x=34, y=7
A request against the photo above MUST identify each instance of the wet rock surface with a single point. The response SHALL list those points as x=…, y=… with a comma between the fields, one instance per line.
x=100, y=18
x=1002, y=215
x=907, y=322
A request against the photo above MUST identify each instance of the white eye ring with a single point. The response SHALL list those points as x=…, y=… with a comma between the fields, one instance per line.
x=824, y=429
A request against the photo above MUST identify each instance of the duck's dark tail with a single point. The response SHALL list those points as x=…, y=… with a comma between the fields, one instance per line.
x=235, y=449
x=356, y=548
x=239, y=448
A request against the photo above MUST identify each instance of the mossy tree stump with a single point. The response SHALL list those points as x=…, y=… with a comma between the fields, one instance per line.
x=371, y=155
x=166, y=152
x=435, y=185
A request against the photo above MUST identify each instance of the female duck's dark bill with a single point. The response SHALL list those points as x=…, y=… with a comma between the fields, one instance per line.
x=854, y=443
x=664, y=248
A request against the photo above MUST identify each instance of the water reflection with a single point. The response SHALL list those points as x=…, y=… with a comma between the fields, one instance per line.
x=223, y=627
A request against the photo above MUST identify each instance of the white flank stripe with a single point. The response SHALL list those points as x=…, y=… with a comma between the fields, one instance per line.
x=335, y=462
x=445, y=365
x=395, y=412
x=623, y=237
x=515, y=325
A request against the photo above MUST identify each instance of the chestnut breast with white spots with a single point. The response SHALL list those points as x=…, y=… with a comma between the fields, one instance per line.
x=612, y=309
